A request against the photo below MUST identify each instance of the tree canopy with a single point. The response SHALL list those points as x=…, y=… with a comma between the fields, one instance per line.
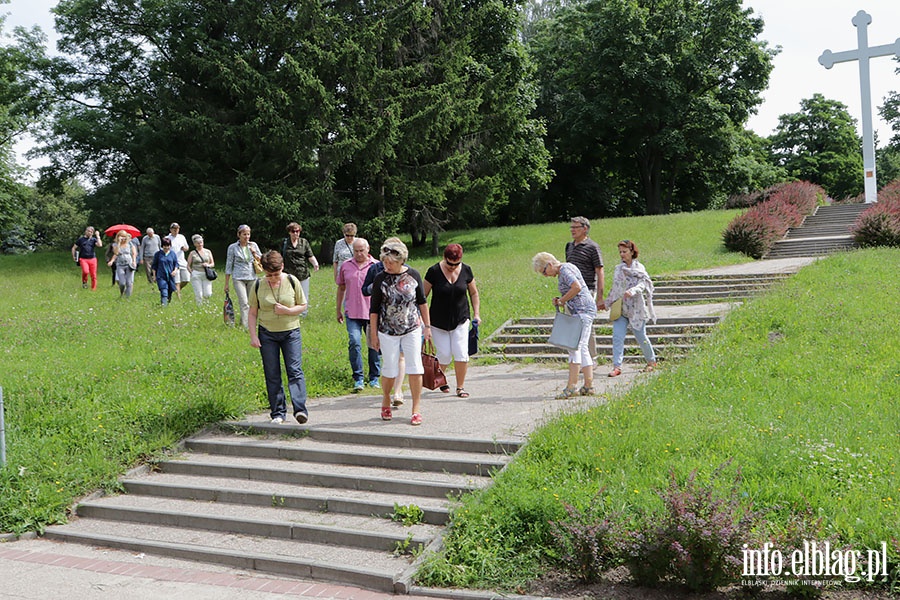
x=819, y=144
x=646, y=99
x=403, y=116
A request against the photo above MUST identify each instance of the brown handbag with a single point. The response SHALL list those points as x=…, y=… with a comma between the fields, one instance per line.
x=434, y=377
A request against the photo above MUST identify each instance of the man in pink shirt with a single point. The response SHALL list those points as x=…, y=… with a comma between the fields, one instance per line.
x=353, y=309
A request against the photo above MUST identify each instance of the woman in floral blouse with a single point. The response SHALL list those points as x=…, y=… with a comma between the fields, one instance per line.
x=398, y=321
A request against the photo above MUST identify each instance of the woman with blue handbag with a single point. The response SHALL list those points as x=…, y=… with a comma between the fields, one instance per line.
x=576, y=297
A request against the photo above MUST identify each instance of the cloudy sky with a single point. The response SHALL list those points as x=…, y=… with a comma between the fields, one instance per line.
x=803, y=29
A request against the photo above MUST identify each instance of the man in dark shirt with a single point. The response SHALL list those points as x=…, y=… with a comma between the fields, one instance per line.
x=584, y=253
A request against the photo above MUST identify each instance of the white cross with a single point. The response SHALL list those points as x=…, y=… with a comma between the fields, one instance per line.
x=863, y=54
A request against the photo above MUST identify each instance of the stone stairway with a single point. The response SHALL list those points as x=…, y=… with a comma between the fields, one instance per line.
x=825, y=231
x=293, y=500
x=673, y=335
x=677, y=290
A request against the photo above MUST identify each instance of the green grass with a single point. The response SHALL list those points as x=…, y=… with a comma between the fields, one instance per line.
x=94, y=385
x=797, y=388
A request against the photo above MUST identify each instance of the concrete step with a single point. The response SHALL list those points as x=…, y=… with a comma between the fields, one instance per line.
x=312, y=451
x=427, y=484
x=255, y=493
x=655, y=339
x=602, y=349
x=604, y=320
x=710, y=287
x=273, y=521
x=381, y=440
x=605, y=328
x=560, y=357
x=818, y=231
x=381, y=571
x=810, y=247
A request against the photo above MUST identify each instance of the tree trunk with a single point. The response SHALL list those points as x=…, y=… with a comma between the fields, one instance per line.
x=650, y=164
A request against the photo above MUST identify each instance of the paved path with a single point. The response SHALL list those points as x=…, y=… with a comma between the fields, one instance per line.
x=506, y=402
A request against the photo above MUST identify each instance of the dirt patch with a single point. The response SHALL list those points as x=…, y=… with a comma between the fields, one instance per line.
x=616, y=585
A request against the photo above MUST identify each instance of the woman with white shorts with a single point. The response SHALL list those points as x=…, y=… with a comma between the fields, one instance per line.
x=398, y=320
x=452, y=286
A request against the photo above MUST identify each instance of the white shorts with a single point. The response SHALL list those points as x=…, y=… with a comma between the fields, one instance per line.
x=451, y=344
x=391, y=345
x=184, y=276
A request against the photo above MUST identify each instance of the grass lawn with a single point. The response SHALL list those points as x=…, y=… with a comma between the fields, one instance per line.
x=797, y=390
x=93, y=385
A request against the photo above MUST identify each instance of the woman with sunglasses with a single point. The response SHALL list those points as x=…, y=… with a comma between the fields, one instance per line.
x=453, y=285
x=398, y=321
x=631, y=284
x=577, y=298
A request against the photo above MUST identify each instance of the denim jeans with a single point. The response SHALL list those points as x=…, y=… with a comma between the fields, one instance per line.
x=356, y=329
x=272, y=345
x=620, y=327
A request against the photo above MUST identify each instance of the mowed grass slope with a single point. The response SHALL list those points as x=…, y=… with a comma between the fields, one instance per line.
x=797, y=391
x=94, y=385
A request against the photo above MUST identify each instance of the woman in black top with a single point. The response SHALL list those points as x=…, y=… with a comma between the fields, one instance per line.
x=454, y=287
x=83, y=254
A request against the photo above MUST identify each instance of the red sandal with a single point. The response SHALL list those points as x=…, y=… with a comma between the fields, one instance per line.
x=615, y=372
x=386, y=414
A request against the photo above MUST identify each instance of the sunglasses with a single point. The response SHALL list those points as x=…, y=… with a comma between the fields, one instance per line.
x=394, y=251
x=544, y=272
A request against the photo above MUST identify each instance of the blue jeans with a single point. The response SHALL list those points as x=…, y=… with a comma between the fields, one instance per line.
x=272, y=345
x=356, y=329
x=620, y=326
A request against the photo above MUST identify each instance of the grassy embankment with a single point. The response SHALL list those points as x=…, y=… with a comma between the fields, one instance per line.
x=798, y=389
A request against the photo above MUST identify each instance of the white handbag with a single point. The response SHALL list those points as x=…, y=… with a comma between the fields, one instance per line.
x=566, y=331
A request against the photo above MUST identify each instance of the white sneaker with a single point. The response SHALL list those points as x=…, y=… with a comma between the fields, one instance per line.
x=278, y=420
x=397, y=400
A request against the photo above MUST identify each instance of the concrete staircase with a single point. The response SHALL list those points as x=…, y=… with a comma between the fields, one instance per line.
x=670, y=291
x=673, y=335
x=291, y=500
x=825, y=231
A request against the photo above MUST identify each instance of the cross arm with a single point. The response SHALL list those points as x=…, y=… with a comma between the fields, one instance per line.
x=829, y=58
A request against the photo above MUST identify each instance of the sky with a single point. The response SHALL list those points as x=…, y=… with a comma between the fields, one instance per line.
x=803, y=29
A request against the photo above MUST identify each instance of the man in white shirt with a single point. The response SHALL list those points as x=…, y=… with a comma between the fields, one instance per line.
x=179, y=247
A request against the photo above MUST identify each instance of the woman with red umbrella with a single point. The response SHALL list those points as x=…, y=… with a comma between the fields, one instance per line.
x=125, y=259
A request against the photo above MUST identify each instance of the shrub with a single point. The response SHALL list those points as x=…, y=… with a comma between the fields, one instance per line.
x=699, y=541
x=879, y=225
x=585, y=541
x=755, y=232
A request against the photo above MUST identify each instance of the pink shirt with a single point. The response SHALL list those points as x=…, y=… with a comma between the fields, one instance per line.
x=352, y=275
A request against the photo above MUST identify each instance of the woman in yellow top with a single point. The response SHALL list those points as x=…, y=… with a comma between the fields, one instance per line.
x=276, y=303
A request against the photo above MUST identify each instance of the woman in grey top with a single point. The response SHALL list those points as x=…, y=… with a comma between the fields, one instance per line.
x=239, y=266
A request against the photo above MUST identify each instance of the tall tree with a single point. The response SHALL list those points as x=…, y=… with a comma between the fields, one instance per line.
x=226, y=111
x=820, y=144
x=643, y=97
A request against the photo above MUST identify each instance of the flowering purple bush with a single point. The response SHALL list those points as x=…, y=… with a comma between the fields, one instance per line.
x=755, y=232
x=699, y=541
x=585, y=541
x=879, y=225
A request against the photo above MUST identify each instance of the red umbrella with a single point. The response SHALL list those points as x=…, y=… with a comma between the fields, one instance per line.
x=130, y=229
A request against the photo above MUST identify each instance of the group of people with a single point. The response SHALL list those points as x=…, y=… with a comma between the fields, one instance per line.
x=386, y=301
x=163, y=258
x=381, y=302
x=581, y=284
